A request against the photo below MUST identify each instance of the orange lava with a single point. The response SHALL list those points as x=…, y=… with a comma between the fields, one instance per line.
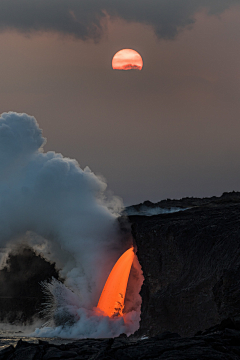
x=127, y=59
x=112, y=298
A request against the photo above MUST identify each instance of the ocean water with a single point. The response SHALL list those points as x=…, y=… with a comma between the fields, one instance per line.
x=11, y=337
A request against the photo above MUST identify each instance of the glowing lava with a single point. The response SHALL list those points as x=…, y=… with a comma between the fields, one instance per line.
x=112, y=298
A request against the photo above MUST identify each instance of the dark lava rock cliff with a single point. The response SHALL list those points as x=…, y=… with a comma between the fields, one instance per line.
x=191, y=264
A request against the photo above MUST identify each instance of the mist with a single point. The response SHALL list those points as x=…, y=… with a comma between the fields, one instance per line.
x=64, y=213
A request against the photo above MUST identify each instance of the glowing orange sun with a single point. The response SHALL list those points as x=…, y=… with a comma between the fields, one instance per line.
x=127, y=59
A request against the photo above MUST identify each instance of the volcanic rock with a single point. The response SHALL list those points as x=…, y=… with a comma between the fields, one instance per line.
x=191, y=265
x=219, y=342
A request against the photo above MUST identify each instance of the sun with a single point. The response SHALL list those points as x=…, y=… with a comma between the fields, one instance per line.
x=127, y=59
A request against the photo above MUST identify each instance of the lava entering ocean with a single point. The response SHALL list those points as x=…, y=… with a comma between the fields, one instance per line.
x=118, y=309
x=112, y=298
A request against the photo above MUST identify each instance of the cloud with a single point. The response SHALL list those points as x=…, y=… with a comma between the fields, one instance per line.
x=86, y=19
x=131, y=67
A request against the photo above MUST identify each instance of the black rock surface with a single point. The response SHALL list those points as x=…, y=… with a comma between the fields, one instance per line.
x=191, y=265
x=221, y=343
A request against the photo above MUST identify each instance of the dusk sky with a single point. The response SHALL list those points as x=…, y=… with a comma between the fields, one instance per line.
x=168, y=131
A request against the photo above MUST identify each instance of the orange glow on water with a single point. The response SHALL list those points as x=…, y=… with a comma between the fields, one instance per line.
x=112, y=298
x=127, y=59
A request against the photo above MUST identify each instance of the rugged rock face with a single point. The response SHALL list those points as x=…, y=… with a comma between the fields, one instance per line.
x=219, y=343
x=21, y=295
x=191, y=265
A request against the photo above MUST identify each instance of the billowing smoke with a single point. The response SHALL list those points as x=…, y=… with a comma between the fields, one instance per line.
x=62, y=211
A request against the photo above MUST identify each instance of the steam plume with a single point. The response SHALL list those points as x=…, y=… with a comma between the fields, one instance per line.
x=56, y=207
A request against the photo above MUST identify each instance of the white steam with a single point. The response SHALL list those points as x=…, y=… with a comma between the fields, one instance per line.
x=62, y=210
x=93, y=325
x=150, y=211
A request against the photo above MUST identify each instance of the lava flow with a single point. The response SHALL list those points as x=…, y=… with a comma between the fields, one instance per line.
x=112, y=298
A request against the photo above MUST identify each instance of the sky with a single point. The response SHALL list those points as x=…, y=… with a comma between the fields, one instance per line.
x=168, y=131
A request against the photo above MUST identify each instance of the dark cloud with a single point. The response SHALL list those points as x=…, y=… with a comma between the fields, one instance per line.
x=85, y=19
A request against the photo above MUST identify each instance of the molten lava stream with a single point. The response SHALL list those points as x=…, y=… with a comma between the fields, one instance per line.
x=112, y=298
